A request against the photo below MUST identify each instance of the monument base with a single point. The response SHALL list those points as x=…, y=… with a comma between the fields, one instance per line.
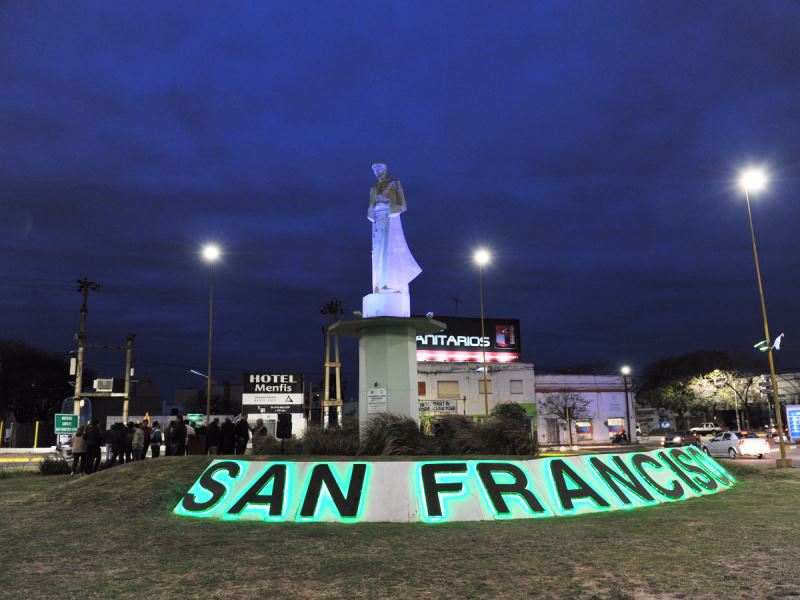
x=387, y=363
x=386, y=304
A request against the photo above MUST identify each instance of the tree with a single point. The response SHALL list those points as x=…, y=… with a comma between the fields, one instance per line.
x=731, y=385
x=557, y=404
x=697, y=383
x=33, y=383
x=332, y=309
x=509, y=410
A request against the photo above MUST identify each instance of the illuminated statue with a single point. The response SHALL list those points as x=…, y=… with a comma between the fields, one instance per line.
x=393, y=266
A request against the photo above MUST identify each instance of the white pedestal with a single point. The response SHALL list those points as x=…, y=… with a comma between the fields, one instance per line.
x=387, y=359
x=386, y=304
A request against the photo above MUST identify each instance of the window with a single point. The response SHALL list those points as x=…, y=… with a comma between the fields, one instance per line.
x=488, y=386
x=516, y=386
x=447, y=389
x=421, y=389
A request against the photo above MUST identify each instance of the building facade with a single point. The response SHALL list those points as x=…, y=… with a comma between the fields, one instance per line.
x=457, y=388
x=597, y=418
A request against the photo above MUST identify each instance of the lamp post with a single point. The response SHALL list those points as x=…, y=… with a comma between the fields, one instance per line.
x=756, y=180
x=626, y=371
x=211, y=254
x=481, y=258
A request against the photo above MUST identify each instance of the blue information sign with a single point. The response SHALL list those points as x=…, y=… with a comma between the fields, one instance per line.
x=793, y=418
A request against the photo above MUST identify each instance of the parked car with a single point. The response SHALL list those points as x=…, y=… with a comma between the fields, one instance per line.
x=736, y=443
x=706, y=430
x=679, y=438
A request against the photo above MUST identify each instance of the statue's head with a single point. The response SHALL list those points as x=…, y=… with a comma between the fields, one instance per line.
x=380, y=170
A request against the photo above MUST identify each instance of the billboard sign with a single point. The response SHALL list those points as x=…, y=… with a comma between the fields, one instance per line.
x=272, y=393
x=463, y=342
x=793, y=421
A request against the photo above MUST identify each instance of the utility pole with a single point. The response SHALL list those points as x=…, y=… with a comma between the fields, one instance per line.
x=332, y=310
x=569, y=424
x=84, y=287
x=128, y=369
x=628, y=430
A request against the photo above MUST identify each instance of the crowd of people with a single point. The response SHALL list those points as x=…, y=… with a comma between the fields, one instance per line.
x=125, y=443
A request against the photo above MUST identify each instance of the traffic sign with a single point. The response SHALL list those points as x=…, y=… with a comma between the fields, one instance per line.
x=66, y=423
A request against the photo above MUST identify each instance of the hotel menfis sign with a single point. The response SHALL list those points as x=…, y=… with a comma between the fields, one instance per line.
x=450, y=490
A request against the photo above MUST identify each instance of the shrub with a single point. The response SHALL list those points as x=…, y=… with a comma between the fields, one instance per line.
x=11, y=472
x=272, y=446
x=509, y=410
x=494, y=436
x=507, y=436
x=54, y=466
x=449, y=432
x=333, y=441
x=392, y=435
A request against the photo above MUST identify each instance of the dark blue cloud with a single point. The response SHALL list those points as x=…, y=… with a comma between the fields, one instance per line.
x=592, y=147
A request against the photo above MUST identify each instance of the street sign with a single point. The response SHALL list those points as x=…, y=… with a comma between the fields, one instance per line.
x=66, y=423
x=438, y=407
x=377, y=400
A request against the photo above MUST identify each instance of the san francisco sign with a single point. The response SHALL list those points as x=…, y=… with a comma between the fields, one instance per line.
x=450, y=490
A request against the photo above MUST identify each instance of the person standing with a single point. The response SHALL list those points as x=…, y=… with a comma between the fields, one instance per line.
x=129, y=442
x=78, y=451
x=190, y=434
x=101, y=441
x=107, y=442
x=92, y=437
x=137, y=443
x=227, y=437
x=168, y=439
x=118, y=438
x=178, y=437
x=146, y=429
x=260, y=437
x=213, y=437
x=155, y=440
x=242, y=434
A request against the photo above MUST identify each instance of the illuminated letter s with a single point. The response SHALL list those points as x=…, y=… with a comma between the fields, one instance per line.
x=211, y=485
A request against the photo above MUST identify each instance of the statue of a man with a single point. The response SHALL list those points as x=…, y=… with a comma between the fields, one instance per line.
x=393, y=266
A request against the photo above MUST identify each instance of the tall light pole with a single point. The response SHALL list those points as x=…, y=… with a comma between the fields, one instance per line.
x=481, y=258
x=211, y=254
x=626, y=371
x=756, y=180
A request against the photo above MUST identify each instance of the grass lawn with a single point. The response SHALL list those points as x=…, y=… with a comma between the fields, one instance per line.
x=112, y=535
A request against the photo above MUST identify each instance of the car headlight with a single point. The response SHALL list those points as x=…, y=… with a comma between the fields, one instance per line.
x=676, y=439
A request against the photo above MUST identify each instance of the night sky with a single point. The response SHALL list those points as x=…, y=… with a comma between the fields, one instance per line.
x=592, y=146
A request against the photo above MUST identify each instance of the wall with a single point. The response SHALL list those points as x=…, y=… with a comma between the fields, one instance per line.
x=470, y=392
x=606, y=396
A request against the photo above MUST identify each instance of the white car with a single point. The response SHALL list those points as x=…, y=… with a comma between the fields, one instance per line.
x=736, y=443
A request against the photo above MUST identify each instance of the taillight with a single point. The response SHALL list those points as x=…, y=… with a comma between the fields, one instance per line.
x=741, y=442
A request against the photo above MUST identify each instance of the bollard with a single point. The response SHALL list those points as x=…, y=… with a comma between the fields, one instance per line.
x=36, y=436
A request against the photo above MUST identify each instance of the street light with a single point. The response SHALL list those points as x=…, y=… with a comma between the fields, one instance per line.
x=626, y=371
x=481, y=258
x=755, y=180
x=211, y=254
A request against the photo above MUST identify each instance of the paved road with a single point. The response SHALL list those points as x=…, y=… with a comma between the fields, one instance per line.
x=793, y=453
